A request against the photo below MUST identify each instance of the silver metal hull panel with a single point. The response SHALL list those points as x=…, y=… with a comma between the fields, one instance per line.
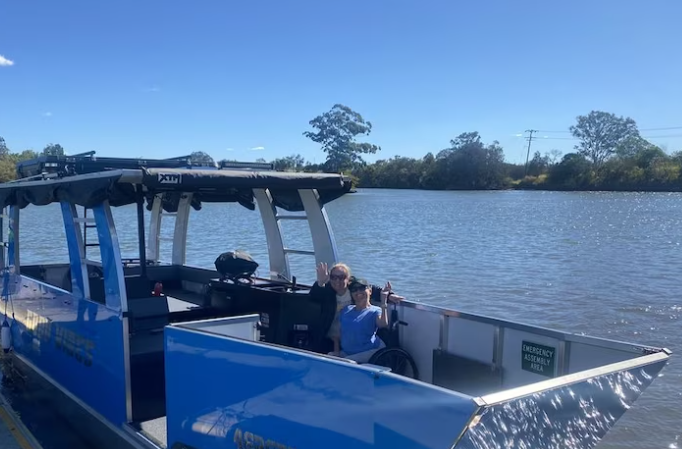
x=567, y=414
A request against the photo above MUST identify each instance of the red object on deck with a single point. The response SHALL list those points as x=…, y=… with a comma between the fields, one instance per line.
x=158, y=289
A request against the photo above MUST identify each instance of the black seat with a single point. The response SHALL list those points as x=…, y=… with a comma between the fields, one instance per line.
x=287, y=318
x=299, y=323
x=148, y=314
x=137, y=286
x=95, y=281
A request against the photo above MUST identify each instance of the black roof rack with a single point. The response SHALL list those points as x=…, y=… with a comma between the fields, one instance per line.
x=83, y=163
x=85, y=180
x=247, y=165
x=89, y=163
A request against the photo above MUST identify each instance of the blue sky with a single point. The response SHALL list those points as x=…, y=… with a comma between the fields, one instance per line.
x=164, y=78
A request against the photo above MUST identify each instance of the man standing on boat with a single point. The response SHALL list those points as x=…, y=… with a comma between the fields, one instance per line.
x=331, y=291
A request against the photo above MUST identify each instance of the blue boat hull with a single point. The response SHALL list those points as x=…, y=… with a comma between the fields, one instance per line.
x=78, y=343
x=256, y=395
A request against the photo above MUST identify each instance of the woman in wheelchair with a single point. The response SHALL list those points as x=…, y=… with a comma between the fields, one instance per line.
x=359, y=325
x=360, y=322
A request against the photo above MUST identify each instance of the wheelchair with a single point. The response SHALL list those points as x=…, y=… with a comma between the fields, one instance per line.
x=393, y=356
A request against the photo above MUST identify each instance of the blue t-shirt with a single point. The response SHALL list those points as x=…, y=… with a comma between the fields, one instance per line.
x=359, y=329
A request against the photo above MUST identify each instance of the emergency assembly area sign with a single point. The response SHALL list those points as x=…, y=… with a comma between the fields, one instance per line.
x=537, y=358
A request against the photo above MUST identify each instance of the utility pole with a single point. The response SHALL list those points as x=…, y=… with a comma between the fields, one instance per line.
x=529, y=139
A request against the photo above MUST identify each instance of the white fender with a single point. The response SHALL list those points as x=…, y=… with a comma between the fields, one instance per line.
x=5, y=336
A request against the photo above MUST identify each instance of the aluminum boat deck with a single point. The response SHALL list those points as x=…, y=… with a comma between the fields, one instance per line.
x=154, y=430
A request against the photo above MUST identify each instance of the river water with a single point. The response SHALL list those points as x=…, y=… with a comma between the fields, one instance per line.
x=604, y=264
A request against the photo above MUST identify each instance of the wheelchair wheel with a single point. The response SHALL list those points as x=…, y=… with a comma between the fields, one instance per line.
x=398, y=360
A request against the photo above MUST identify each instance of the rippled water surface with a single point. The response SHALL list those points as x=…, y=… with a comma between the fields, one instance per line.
x=605, y=264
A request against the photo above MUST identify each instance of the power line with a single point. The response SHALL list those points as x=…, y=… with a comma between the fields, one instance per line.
x=660, y=137
x=530, y=139
x=668, y=128
x=661, y=129
x=576, y=138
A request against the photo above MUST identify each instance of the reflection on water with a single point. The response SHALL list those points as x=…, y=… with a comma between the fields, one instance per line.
x=35, y=405
x=571, y=417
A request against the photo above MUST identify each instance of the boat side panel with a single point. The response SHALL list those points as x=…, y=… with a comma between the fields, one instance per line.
x=479, y=348
x=77, y=342
x=226, y=392
x=409, y=414
x=516, y=354
x=420, y=337
x=585, y=356
x=244, y=327
x=538, y=362
x=573, y=415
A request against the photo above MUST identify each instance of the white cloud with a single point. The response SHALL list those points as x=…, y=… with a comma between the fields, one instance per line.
x=5, y=62
x=229, y=149
x=47, y=114
x=257, y=148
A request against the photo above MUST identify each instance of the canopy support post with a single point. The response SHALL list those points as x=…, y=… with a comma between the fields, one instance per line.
x=13, y=255
x=4, y=216
x=140, y=233
x=80, y=283
x=112, y=265
x=279, y=263
x=153, y=252
x=181, y=226
x=324, y=244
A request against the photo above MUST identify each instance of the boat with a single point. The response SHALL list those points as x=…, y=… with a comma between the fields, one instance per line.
x=160, y=354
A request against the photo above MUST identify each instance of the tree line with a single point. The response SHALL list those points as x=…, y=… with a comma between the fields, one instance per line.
x=610, y=155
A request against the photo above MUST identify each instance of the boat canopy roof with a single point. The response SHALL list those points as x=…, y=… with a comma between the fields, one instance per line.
x=87, y=181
